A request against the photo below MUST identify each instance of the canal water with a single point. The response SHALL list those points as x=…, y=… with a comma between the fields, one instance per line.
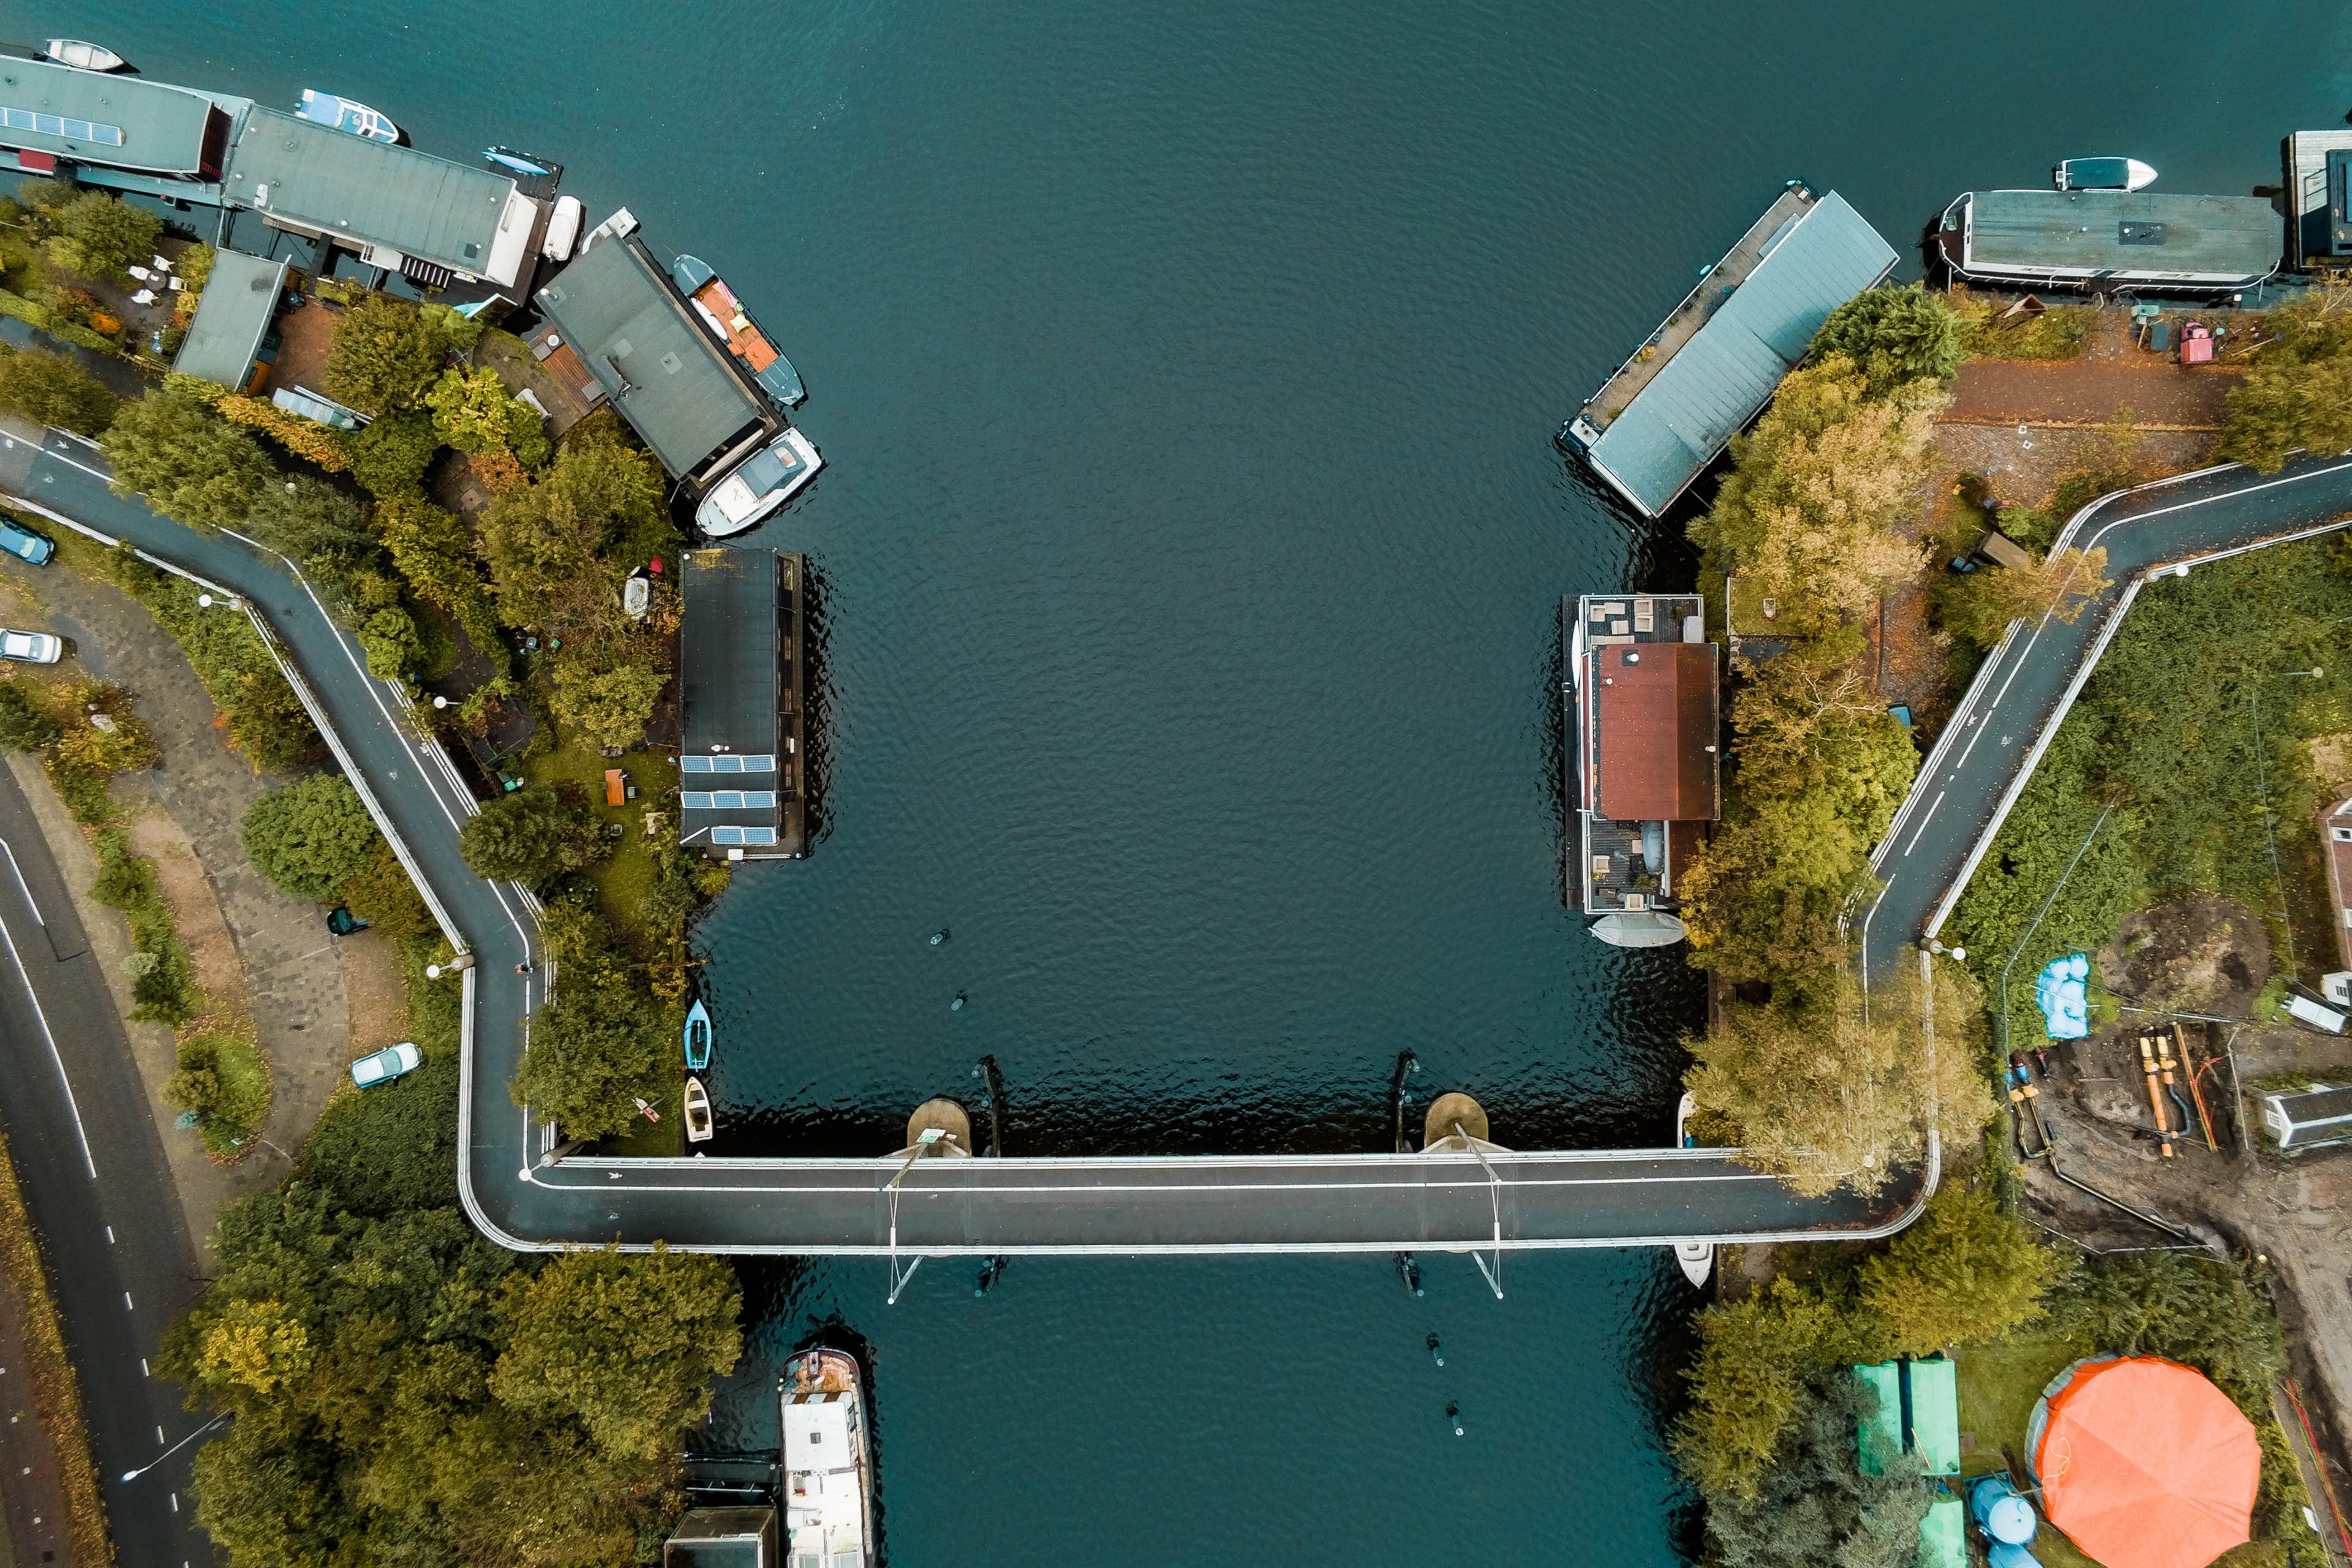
x=1190, y=551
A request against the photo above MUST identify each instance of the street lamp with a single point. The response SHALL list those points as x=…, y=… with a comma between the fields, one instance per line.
x=1958, y=954
x=134, y=1475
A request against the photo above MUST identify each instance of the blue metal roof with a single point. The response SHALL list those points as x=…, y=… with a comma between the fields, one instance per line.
x=1728, y=370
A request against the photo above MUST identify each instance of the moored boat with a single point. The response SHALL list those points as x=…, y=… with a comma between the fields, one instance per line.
x=697, y=1037
x=828, y=1492
x=84, y=55
x=2102, y=174
x=697, y=1112
x=731, y=324
x=346, y=114
x=760, y=484
x=1696, y=1257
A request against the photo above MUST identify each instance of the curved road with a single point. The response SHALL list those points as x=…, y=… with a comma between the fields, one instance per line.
x=1986, y=751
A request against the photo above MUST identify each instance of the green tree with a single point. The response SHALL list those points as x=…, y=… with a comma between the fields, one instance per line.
x=185, y=461
x=1963, y=1274
x=1894, y=335
x=23, y=726
x=47, y=198
x=309, y=839
x=558, y=548
x=383, y=895
x=595, y=1049
x=384, y=357
x=611, y=708
x=433, y=552
x=1815, y=1507
x=1747, y=1383
x=390, y=455
x=98, y=235
x=2283, y=404
x=626, y=1346
x=325, y=531
x=469, y=409
x=528, y=837
x=50, y=389
x=1829, y=1095
x=390, y=640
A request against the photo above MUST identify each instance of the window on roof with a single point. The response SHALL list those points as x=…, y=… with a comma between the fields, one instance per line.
x=2343, y=834
x=55, y=125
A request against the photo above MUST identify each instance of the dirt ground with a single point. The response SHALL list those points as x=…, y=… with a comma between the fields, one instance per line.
x=2210, y=956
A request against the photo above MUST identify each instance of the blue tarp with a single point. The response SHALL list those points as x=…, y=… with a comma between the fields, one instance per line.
x=2063, y=991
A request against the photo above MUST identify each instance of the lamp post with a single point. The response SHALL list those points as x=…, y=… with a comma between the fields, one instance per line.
x=134, y=1475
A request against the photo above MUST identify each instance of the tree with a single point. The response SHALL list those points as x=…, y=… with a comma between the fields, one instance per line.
x=434, y=553
x=626, y=1346
x=1808, y=515
x=1761, y=898
x=185, y=460
x=390, y=640
x=390, y=455
x=50, y=389
x=1980, y=605
x=1829, y=1097
x=309, y=839
x=528, y=837
x=326, y=533
x=384, y=357
x=1746, y=1383
x=1963, y=1274
x=469, y=409
x=554, y=548
x=1894, y=335
x=23, y=726
x=597, y=1047
x=1815, y=1506
x=98, y=235
x=382, y=894
x=2283, y=404
x=611, y=708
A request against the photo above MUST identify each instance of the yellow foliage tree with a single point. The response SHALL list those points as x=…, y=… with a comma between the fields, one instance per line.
x=259, y=1344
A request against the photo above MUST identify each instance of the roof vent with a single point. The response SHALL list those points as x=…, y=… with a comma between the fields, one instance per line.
x=1633, y=657
x=672, y=363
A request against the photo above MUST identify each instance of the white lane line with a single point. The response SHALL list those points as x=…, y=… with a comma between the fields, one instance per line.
x=1923, y=824
x=159, y=1434
x=1873, y=915
x=142, y=1368
x=126, y=1302
x=110, y=1235
x=20, y=883
x=55, y=1056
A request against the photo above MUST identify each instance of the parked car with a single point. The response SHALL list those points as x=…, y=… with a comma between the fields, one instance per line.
x=31, y=647
x=385, y=1065
x=27, y=545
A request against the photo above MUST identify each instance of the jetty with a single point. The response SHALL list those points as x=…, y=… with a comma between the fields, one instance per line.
x=1717, y=358
x=742, y=787
x=2318, y=198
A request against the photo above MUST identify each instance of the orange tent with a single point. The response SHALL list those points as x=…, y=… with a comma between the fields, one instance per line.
x=2145, y=1464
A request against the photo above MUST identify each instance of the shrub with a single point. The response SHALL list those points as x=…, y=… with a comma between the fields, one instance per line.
x=223, y=1079
x=23, y=726
x=384, y=357
x=51, y=389
x=309, y=839
x=185, y=460
x=390, y=455
x=98, y=235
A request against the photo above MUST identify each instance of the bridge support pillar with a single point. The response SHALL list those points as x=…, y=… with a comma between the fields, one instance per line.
x=951, y=1121
x=1444, y=1111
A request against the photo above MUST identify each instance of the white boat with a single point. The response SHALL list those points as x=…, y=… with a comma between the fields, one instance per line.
x=346, y=114
x=563, y=229
x=759, y=485
x=697, y=1112
x=2102, y=174
x=1697, y=1257
x=84, y=55
x=828, y=1469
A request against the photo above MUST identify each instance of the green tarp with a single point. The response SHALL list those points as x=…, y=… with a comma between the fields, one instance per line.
x=1935, y=1401
x=1944, y=1535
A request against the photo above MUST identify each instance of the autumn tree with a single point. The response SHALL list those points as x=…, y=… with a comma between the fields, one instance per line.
x=309, y=839
x=609, y=708
x=185, y=460
x=1836, y=1089
x=1964, y=1273
x=2287, y=403
x=384, y=357
x=558, y=548
x=1982, y=605
x=627, y=1347
x=1809, y=514
x=1894, y=335
x=51, y=389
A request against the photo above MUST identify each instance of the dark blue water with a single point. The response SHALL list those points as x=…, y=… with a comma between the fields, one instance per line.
x=1189, y=552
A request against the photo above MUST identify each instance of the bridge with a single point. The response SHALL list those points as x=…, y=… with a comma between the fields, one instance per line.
x=526, y=1192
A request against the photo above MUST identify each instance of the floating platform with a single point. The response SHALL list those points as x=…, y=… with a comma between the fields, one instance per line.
x=1714, y=362
x=742, y=785
x=2318, y=224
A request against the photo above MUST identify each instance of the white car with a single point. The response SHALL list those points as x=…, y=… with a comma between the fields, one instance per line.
x=385, y=1065
x=32, y=647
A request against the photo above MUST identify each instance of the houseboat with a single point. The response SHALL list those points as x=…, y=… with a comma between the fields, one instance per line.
x=731, y=324
x=1643, y=717
x=828, y=1469
x=346, y=114
x=2109, y=238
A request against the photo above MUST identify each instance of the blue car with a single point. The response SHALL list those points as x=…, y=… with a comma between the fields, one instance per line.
x=25, y=546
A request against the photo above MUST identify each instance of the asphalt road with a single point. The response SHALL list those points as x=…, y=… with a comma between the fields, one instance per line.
x=1371, y=1202
x=87, y=1154
x=1984, y=756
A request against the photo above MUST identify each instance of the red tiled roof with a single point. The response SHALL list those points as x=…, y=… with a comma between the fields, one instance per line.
x=1654, y=717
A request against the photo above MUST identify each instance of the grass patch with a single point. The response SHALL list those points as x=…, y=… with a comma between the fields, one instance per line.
x=56, y=1397
x=2057, y=333
x=163, y=980
x=435, y=1008
x=626, y=877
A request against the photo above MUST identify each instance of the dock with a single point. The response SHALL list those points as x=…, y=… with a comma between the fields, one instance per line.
x=2319, y=167
x=1716, y=361
x=742, y=784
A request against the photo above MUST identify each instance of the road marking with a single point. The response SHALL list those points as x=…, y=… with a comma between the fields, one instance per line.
x=142, y=1368
x=126, y=1302
x=55, y=1055
x=159, y=1435
x=175, y=1503
x=1923, y=824
x=110, y=1235
x=20, y=883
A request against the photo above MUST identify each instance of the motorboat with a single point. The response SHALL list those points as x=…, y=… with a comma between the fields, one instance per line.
x=1696, y=1257
x=2102, y=174
x=731, y=324
x=759, y=485
x=84, y=55
x=828, y=1470
x=346, y=114
x=697, y=1112
x=509, y=159
x=563, y=229
x=697, y=1037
